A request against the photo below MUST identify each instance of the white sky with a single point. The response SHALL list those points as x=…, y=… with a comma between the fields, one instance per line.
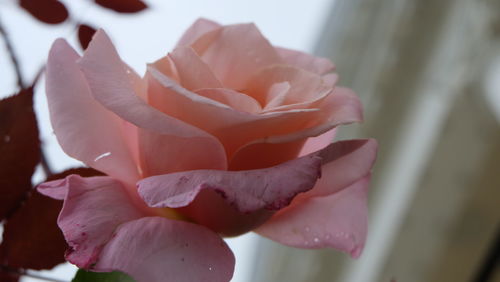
x=144, y=37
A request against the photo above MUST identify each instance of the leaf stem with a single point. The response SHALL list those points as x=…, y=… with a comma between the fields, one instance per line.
x=13, y=57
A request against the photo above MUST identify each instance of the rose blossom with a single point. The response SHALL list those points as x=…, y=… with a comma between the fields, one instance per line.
x=218, y=138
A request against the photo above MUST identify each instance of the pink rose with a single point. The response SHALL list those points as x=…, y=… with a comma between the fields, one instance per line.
x=218, y=138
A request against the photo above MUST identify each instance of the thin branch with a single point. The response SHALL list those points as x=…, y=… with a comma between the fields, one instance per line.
x=13, y=57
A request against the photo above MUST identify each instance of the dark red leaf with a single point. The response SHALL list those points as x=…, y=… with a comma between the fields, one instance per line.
x=47, y=11
x=85, y=34
x=19, y=149
x=123, y=6
x=7, y=275
x=31, y=238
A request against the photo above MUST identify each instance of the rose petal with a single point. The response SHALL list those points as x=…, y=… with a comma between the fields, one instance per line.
x=304, y=86
x=233, y=128
x=271, y=188
x=305, y=61
x=337, y=221
x=93, y=208
x=317, y=143
x=197, y=29
x=233, y=57
x=84, y=129
x=340, y=107
x=192, y=71
x=344, y=163
x=155, y=249
x=106, y=77
x=235, y=100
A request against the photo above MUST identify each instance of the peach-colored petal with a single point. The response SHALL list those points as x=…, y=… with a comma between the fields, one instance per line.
x=84, y=128
x=235, y=100
x=330, y=79
x=305, y=61
x=336, y=221
x=233, y=128
x=192, y=71
x=106, y=77
x=249, y=190
x=317, y=143
x=304, y=86
x=155, y=249
x=236, y=52
x=197, y=29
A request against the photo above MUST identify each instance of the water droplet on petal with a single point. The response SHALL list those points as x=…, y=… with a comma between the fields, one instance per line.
x=307, y=229
x=210, y=268
x=316, y=240
x=107, y=154
x=6, y=139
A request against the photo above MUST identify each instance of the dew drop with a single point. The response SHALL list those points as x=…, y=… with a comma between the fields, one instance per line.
x=307, y=229
x=316, y=240
x=327, y=237
x=107, y=154
x=210, y=268
x=6, y=139
x=128, y=71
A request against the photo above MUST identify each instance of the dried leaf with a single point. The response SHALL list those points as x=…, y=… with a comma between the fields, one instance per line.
x=19, y=149
x=123, y=6
x=47, y=11
x=31, y=238
x=85, y=33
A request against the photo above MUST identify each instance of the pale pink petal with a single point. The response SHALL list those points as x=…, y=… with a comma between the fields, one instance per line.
x=336, y=221
x=84, y=129
x=192, y=71
x=155, y=249
x=340, y=107
x=305, y=61
x=250, y=190
x=236, y=52
x=236, y=100
x=330, y=79
x=233, y=128
x=344, y=162
x=304, y=86
x=197, y=29
x=93, y=208
x=317, y=143
x=56, y=189
x=107, y=78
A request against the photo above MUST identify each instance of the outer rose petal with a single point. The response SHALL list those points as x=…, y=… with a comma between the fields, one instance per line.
x=271, y=188
x=155, y=249
x=84, y=128
x=197, y=29
x=338, y=221
x=344, y=163
x=106, y=77
x=234, y=58
x=305, y=61
x=93, y=208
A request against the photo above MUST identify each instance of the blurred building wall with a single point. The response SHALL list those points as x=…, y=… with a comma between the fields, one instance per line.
x=423, y=69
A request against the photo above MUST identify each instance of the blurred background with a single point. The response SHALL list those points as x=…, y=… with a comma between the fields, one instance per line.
x=428, y=73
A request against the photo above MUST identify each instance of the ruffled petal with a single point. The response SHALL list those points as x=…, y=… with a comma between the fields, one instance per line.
x=155, y=249
x=343, y=163
x=235, y=100
x=197, y=29
x=305, y=61
x=304, y=86
x=233, y=128
x=84, y=129
x=235, y=53
x=193, y=73
x=107, y=78
x=93, y=208
x=337, y=221
x=271, y=188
